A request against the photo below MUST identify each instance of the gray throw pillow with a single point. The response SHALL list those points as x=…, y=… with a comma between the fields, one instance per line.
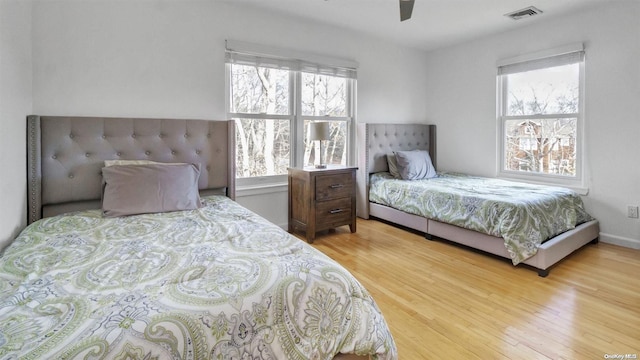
x=415, y=165
x=393, y=165
x=151, y=188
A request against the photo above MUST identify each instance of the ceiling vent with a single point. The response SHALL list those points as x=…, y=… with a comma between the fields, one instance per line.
x=523, y=13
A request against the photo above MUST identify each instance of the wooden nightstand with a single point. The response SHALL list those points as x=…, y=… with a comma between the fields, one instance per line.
x=321, y=199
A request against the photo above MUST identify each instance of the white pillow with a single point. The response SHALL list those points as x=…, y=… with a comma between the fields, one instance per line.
x=415, y=165
x=136, y=162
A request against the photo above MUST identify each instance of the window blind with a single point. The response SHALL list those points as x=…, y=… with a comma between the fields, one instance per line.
x=570, y=54
x=260, y=55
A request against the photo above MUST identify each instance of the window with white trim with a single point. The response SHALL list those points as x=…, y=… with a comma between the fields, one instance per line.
x=541, y=118
x=273, y=100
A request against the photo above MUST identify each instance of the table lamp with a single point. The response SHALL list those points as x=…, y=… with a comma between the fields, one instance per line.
x=319, y=131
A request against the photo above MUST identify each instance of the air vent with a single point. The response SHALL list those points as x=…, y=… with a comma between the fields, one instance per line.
x=523, y=13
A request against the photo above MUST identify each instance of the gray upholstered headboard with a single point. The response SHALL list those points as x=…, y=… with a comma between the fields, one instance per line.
x=375, y=141
x=66, y=156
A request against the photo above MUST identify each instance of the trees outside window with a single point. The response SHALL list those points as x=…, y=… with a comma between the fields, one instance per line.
x=260, y=105
x=326, y=98
x=541, y=119
x=273, y=106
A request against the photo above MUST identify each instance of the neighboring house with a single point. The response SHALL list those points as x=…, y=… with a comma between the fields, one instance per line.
x=535, y=148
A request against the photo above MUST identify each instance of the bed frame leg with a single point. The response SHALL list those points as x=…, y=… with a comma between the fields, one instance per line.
x=428, y=236
x=595, y=241
x=543, y=273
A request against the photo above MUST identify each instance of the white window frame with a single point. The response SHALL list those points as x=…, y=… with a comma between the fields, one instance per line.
x=349, y=119
x=541, y=60
x=297, y=63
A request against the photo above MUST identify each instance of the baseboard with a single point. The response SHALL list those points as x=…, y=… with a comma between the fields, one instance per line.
x=620, y=241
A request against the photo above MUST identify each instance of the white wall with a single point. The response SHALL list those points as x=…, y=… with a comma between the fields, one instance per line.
x=166, y=59
x=15, y=105
x=461, y=100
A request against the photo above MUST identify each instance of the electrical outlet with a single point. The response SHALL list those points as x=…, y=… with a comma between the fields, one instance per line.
x=632, y=211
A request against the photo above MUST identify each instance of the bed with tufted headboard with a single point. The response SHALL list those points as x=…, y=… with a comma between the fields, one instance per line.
x=376, y=141
x=212, y=280
x=66, y=156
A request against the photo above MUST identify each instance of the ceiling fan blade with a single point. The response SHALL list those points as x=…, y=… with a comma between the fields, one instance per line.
x=406, y=7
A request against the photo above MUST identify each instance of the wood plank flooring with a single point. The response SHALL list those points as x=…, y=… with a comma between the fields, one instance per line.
x=445, y=301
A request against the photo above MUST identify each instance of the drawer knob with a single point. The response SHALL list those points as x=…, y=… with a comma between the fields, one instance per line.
x=336, y=211
x=336, y=186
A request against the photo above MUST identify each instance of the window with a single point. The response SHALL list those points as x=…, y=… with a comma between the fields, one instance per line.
x=261, y=106
x=273, y=100
x=326, y=98
x=540, y=118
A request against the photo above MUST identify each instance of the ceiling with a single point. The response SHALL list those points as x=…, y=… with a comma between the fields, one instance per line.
x=434, y=24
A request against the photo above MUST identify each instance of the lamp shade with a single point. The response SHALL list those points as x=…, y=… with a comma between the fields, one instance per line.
x=319, y=131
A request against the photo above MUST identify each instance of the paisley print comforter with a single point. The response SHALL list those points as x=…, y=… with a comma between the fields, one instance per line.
x=524, y=215
x=214, y=283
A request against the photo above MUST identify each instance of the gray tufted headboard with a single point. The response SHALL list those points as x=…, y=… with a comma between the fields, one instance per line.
x=375, y=141
x=66, y=156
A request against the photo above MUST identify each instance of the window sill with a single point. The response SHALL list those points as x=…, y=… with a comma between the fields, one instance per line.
x=262, y=189
x=579, y=189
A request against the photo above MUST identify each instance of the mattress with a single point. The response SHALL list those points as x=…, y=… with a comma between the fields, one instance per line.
x=524, y=215
x=215, y=283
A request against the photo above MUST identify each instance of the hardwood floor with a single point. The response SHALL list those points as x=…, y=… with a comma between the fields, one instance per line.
x=445, y=301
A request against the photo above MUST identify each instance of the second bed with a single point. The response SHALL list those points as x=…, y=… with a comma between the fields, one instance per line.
x=530, y=224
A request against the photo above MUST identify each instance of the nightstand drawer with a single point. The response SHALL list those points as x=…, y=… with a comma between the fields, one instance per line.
x=333, y=186
x=333, y=212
